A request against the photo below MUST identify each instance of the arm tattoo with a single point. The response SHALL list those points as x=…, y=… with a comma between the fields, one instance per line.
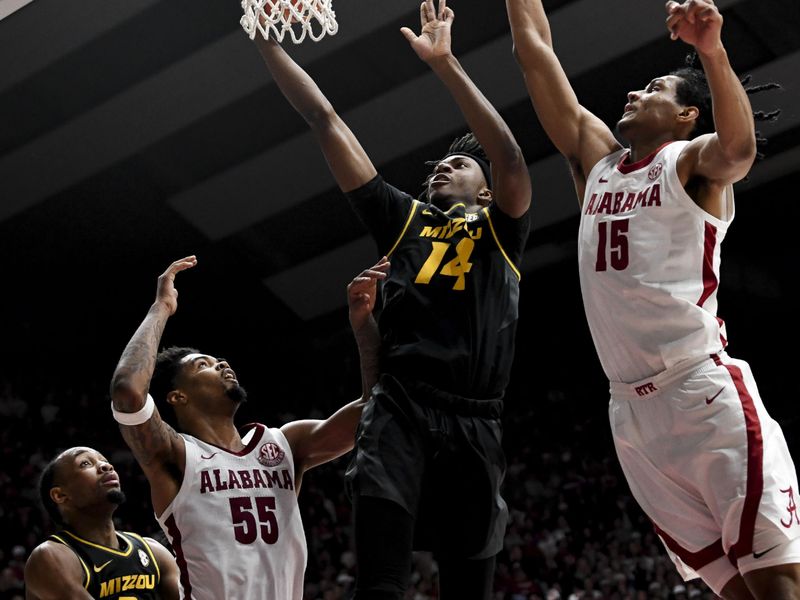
x=154, y=440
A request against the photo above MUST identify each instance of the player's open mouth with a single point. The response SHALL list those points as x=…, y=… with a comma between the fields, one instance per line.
x=110, y=480
x=440, y=179
x=229, y=374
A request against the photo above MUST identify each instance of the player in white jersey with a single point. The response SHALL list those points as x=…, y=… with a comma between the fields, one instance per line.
x=702, y=456
x=228, y=502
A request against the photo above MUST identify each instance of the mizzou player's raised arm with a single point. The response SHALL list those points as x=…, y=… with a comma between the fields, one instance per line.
x=578, y=134
x=54, y=572
x=510, y=179
x=347, y=160
x=158, y=448
x=314, y=442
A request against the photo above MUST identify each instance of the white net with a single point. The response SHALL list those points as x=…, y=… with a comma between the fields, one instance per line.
x=300, y=18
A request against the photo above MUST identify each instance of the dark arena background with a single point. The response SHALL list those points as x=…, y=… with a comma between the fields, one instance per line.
x=134, y=133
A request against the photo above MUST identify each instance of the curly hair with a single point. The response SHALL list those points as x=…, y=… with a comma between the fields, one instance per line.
x=466, y=145
x=693, y=90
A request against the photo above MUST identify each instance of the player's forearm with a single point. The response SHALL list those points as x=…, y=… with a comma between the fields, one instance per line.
x=733, y=115
x=135, y=368
x=368, y=339
x=295, y=84
x=530, y=28
x=483, y=119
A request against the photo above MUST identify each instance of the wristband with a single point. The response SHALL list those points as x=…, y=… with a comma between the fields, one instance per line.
x=137, y=418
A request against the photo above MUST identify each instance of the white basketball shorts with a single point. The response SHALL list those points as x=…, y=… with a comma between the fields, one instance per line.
x=709, y=467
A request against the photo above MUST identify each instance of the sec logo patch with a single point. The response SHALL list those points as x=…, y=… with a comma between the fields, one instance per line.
x=270, y=454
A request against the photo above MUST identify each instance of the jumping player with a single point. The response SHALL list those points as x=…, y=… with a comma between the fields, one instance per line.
x=702, y=456
x=89, y=558
x=228, y=501
x=428, y=464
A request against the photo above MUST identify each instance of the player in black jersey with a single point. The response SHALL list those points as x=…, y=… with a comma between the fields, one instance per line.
x=428, y=463
x=89, y=558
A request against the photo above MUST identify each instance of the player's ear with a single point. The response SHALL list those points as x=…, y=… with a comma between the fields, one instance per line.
x=485, y=197
x=176, y=397
x=688, y=114
x=58, y=495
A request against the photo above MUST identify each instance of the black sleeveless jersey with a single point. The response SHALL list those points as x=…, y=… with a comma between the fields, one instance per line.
x=130, y=573
x=450, y=302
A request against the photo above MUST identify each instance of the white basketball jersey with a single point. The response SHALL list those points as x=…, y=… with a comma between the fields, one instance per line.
x=649, y=266
x=235, y=524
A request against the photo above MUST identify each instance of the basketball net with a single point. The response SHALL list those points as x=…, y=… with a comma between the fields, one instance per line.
x=301, y=18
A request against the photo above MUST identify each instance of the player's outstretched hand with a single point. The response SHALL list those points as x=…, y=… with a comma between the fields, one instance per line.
x=166, y=292
x=362, y=291
x=696, y=22
x=434, y=39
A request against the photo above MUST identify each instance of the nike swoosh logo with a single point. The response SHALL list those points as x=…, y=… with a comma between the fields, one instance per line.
x=760, y=554
x=714, y=397
x=105, y=564
x=427, y=212
x=602, y=180
x=212, y=455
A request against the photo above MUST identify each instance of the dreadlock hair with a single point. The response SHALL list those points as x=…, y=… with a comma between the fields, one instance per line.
x=46, y=483
x=467, y=145
x=168, y=364
x=693, y=90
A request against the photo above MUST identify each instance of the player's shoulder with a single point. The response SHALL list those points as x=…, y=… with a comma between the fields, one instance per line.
x=52, y=554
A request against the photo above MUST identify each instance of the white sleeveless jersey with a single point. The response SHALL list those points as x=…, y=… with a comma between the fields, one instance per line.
x=235, y=524
x=649, y=266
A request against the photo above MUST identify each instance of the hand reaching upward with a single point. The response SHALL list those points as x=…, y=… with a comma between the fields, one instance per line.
x=434, y=39
x=696, y=22
x=166, y=291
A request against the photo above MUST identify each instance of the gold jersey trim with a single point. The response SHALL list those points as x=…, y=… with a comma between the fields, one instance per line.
x=499, y=245
x=106, y=548
x=411, y=213
x=86, y=572
x=150, y=552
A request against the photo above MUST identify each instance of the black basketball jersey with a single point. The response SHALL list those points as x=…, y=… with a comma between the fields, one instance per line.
x=450, y=302
x=130, y=573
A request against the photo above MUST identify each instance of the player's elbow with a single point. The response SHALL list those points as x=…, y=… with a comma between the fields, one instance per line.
x=321, y=117
x=528, y=50
x=124, y=394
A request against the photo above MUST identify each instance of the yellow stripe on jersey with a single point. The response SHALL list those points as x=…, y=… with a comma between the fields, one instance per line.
x=454, y=205
x=106, y=548
x=411, y=213
x=149, y=551
x=83, y=564
x=499, y=245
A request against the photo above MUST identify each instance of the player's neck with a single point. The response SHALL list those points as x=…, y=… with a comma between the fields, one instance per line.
x=96, y=529
x=219, y=431
x=642, y=148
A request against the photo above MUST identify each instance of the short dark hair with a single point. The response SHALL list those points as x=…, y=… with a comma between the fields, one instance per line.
x=693, y=90
x=47, y=483
x=168, y=365
x=467, y=145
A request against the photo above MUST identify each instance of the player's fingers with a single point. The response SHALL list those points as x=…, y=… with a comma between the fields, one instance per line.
x=442, y=9
x=408, y=34
x=672, y=6
x=706, y=14
x=673, y=24
x=449, y=15
x=426, y=12
x=178, y=265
